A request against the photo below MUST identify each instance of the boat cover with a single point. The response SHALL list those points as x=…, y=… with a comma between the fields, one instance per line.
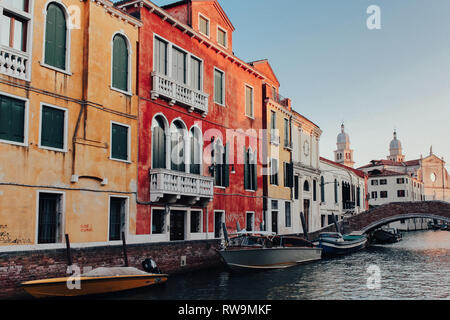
x=113, y=272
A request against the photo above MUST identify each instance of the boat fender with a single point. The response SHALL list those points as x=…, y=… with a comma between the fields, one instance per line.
x=150, y=266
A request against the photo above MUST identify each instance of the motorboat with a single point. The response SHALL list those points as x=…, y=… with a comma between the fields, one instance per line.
x=386, y=236
x=97, y=281
x=334, y=243
x=261, y=250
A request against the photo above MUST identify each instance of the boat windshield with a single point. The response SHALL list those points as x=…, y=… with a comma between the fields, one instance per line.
x=333, y=235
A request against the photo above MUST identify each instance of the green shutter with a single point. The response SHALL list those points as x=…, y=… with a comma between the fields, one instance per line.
x=120, y=63
x=12, y=119
x=226, y=166
x=52, y=128
x=119, y=144
x=218, y=86
x=55, y=37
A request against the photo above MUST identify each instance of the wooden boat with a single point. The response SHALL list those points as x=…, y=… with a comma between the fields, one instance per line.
x=267, y=251
x=334, y=243
x=386, y=236
x=98, y=281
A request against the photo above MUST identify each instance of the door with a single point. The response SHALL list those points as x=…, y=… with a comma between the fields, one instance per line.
x=116, y=218
x=48, y=218
x=306, y=209
x=275, y=221
x=218, y=220
x=177, y=225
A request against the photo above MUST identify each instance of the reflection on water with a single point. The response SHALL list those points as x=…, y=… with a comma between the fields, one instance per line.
x=416, y=268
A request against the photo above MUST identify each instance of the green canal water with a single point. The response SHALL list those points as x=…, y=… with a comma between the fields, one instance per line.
x=416, y=268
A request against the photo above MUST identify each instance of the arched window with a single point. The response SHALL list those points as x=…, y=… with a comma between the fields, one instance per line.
x=55, y=37
x=120, y=63
x=196, y=151
x=306, y=186
x=322, y=189
x=177, y=155
x=158, y=143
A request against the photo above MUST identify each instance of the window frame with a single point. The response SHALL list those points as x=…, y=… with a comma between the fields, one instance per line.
x=129, y=71
x=67, y=70
x=66, y=122
x=208, y=35
x=62, y=207
x=253, y=220
x=252, y=115
x=219, y=28
x=128, y=141
x=164, y=227
x=287, y=204
x=223, y=104
x=126, y=215
x=200, y=212
x=26, y=121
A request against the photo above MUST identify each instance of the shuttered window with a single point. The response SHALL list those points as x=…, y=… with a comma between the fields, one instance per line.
x=222, y=167
x=203, y=25
x=249, y=101
x=219, y=85
x=159, y=145
x=196, y=72
x=288, y=175
x=322, y=189
x=179, y=65
x=116, y=218
x=250, y=171
x=222, y=37
x=55, y=37
x=120, y=63
x=12, y=119
x=119, y=142
x=274, y=172
x=52, y=128
x=161, y=55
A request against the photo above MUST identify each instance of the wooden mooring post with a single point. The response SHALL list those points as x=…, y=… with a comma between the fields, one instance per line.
x=125, y=256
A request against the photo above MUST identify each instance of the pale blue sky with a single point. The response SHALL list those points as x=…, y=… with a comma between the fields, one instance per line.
x=335, y=69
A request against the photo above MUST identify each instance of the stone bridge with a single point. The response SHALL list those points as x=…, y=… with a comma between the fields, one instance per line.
x=391, y=212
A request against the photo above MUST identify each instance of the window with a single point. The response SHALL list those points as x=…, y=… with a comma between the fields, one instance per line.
x=53, y=128
x=287, y=213
x=274, y=172
x=196, y=221
x=249, y=101
x=250, y=222
x=273, y=126
x=161, y=55
x=400, y=180
x=335, y=191
x=322, y=189
x=358, y=196
x=306, y=186
x=288, y=175
x=383, y=194
x=221, y=167
x=287, y=141
x=383, y=182
x=16, y=4
x=12, y=119
x=116, y=218
x=179, y=65
x=13, y=31
x=222, y=37
x=50, y=218
x=196, y=74
x=401, y=193
x=374, y=182
x=177, y=154
x=158, y=143
x=119, y=142
x=250, y=171
x=55, y=37
x=219, y=87
x=374, y=195
x=158, y=221
x=274, y=93
x=196, y=151
x=120, y=63
x=203, y=25
x=296, y=187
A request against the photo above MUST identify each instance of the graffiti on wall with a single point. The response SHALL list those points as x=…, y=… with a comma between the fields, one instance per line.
x=6, y=238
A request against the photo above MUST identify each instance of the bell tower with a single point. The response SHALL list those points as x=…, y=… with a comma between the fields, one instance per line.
x=343, y=154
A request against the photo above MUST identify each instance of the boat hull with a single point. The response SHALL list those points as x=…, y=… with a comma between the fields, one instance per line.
x=58, y=287
x=330, y=247
x=266, y=259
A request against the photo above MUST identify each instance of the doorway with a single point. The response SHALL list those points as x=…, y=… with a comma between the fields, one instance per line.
x=275, y=222
x=49, y=221
x=306, y=210
x=177, y=225
x=218, y=220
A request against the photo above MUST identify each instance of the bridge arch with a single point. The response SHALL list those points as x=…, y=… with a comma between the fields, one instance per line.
x=392, y=219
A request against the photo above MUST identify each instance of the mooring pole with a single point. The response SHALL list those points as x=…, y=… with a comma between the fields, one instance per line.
x=336, y=224
x=125, y=256
x=305, y=231
x=69, y=257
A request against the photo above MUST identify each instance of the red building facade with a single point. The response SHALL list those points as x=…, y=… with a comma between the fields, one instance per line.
x=200, y=123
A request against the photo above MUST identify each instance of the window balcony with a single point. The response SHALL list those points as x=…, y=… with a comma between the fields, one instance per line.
x=15, y=63
x=173, y=187
x=176, y=92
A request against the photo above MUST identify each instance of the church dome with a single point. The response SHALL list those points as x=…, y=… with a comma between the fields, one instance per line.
x=395, y=144
x=343, y=137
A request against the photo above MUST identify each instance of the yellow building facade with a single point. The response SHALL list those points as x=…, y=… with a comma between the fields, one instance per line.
x=68, y=122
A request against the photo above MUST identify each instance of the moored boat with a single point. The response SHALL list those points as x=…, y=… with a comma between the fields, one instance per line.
x=386, y=236
x=97, y=281
x=334, y=243
x=266, y=251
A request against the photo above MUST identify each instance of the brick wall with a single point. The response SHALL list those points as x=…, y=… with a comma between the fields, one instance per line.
x=17, y=267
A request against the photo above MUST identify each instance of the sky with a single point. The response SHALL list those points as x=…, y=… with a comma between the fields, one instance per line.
x=337, y=70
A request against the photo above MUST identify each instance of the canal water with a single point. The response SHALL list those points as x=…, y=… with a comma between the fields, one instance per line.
x=416, y=268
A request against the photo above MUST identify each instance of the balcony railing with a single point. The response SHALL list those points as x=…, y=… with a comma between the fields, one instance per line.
x=172, y=186
x=179, y=93
x=281, y=100
x=14, y=63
